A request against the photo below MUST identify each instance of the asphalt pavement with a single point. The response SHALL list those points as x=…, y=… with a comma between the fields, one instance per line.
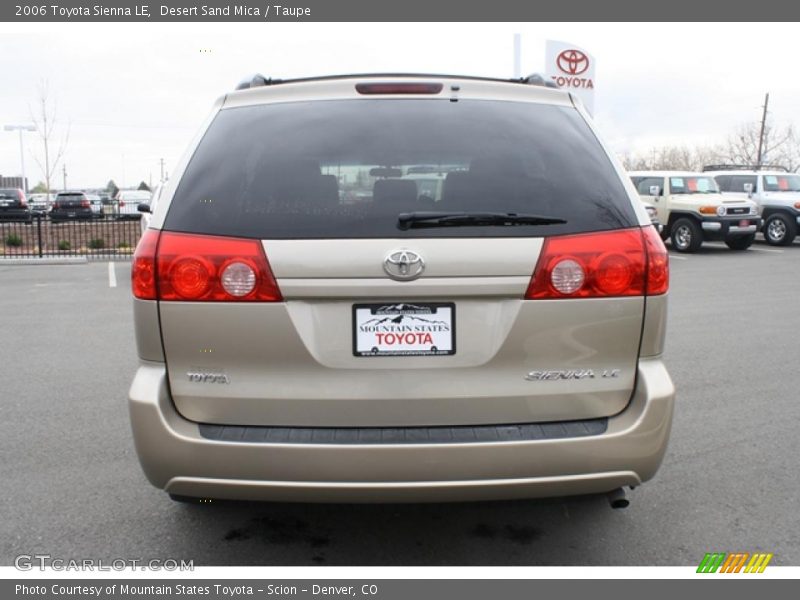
x=71, y=487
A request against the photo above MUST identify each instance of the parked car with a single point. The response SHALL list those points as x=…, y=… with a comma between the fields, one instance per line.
x=96, y=204
x=146, y=215
x=71, y=206
x=774, y=189
x=128, y=202
x=14, y=206
x=294, y=347
x=693, y=210
x=40, y=203
x=653, y=214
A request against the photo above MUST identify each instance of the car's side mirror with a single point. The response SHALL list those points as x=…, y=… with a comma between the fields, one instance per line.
x=143, y=207
x=655, y=190
x=748, y=188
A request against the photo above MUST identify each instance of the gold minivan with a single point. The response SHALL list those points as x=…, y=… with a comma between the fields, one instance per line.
x=500, y=339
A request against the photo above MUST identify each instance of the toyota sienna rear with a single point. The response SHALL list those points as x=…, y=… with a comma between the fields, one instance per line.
x=399, y=288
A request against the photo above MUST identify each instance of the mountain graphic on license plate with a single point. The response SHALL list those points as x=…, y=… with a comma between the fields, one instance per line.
x=404, y=329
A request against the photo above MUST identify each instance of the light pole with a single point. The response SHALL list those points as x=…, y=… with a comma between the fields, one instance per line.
x=22, y=128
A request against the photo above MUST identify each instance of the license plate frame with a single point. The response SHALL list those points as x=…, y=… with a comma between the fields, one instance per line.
x=436, y=319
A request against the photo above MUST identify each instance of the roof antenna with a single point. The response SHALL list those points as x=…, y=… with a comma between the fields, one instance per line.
x=254, y=80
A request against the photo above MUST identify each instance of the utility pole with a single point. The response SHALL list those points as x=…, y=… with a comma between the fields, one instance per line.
x=763, y=126
x=161, y=161
x=64, y=171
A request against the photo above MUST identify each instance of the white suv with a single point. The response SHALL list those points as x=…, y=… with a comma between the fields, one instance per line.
x=775, y=189
x=692, y=210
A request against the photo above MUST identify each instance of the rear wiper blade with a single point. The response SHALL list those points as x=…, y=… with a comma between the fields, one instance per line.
x=466, y=219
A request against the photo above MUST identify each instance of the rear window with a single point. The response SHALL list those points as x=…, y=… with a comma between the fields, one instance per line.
x=348, y=168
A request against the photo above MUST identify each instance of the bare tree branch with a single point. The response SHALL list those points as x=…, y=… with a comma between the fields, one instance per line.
x=45, y=119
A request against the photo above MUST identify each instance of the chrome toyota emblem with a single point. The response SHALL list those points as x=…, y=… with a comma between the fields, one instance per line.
x=403, y=265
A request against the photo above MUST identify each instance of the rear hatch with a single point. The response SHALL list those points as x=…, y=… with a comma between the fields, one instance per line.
x=72, y=203
x=386, y=314
x=11, y=199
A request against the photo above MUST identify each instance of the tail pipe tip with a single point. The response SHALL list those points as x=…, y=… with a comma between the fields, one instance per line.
x=617, y=499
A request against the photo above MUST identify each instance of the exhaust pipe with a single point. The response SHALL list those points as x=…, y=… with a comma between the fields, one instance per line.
x=617, y=499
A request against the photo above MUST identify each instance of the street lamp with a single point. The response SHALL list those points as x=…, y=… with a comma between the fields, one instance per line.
x=22, y=128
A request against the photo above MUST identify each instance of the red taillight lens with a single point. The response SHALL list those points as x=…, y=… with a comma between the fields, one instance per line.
x=398, y=88
x=121, y=203
x=213, y=269
x=85, y=204
x=143, y=270
x=657, y=262
x=630, y=262
x=23, y=203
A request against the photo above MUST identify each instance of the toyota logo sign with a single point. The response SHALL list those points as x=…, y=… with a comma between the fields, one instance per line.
x=572, y=62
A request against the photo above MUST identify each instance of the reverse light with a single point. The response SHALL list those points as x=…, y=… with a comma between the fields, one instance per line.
x=239, y=279
x=628, y=262
x=567, y=276
x=171, y=266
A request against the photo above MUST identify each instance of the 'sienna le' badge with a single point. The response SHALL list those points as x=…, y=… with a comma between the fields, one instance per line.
x=571, y=374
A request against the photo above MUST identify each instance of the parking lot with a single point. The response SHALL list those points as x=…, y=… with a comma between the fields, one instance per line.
x=72, y=487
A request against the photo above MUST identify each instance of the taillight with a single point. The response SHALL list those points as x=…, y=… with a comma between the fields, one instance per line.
x=179, y=266
x=121, y=204
x=657, y=262
x=85, y=204
x=143, y=270
x=628, y=262
x=22, y=202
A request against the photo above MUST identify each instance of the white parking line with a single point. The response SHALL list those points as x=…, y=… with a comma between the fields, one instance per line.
x=112, y=275
x=773, y=250
x=678, y=256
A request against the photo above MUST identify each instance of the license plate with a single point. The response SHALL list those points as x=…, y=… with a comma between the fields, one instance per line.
x=5, y=204
x=71, y=214
x=744, y=223
x=404, y=329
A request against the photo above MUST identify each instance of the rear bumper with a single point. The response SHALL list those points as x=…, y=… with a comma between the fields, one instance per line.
x=177, y=458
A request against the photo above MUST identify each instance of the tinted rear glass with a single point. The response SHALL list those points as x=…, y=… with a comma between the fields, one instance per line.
x=346, y=169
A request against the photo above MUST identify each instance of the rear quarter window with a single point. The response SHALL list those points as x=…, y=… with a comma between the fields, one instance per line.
x=348, y=168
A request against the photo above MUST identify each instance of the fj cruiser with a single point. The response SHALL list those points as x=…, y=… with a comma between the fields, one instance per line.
x=776, y=191
x=692, y=210
x=500, y=337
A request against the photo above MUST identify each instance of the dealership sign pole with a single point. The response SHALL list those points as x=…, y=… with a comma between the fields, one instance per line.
x=571, y=68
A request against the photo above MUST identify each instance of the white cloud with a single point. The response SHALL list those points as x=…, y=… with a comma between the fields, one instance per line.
x=134, y=93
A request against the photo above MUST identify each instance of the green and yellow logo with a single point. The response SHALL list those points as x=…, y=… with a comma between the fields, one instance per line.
x=735, y=562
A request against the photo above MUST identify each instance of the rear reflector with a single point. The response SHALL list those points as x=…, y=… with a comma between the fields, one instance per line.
x=628, y=262
x=177, y=266
x=398, y=88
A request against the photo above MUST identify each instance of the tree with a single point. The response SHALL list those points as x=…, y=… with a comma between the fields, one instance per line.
x=112, y=188
x=40, y=188
x=44, y=118
x=781, y=145
x=672, y=158
x=143, y=187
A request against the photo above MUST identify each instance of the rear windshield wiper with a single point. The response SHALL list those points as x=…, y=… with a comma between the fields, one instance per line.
x=469, y=219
